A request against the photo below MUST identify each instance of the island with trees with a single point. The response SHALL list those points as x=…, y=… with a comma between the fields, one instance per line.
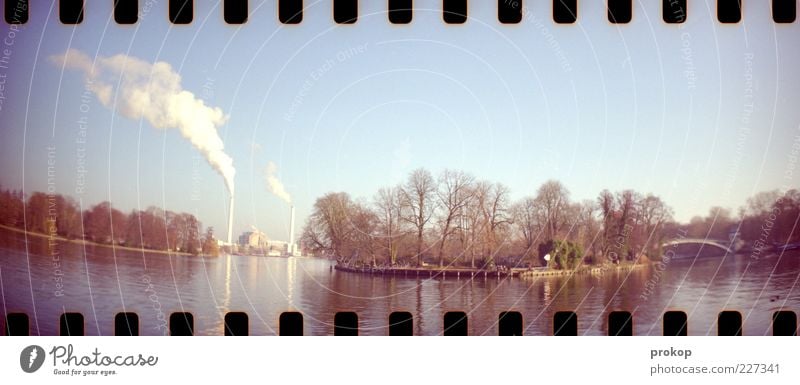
x=453, y=223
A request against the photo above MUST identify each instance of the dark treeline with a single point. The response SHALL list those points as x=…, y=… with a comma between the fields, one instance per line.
x=768, y=219
x=58, y=215
x=454, y=219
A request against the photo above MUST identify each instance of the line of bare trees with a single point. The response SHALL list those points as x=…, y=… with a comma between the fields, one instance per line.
x=456, y=219
x=153, y=228
x=449, y=219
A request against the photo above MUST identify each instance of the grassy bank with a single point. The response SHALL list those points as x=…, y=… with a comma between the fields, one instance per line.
x=90, y=243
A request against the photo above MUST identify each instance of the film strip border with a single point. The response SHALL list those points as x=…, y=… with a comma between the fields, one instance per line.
x=401, y=11
x=510, y=323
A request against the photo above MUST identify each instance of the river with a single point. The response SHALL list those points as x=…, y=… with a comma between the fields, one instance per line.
x=100, y=282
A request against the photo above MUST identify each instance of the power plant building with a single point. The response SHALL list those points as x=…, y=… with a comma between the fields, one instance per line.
x=255, y=239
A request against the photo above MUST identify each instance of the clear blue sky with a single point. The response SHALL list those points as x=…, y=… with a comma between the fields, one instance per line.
x=355, y=108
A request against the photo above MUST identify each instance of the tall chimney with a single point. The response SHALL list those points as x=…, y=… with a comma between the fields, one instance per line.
x=230, y=221
x=291, y=232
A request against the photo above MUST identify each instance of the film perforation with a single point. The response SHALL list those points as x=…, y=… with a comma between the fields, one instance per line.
x=729, y=11
x=345, y=11
x=290, y=324
x=345, y=323
x=620, y=11
x=784, y=323
x=510, y=323
x=290, y=11
x=126, y=11
x=70, y=11
x=673, y=11
x=16, y=11
x=17, y=324
x=675, y=323
x=620, y=323
x=565, y=323
x=509, y=11
x=237, y=324
x=126, y=324
x=455, y=324
x=400, y=11
x=729, y=323
x=181, y=11
x=784, y=11
x=401, y=323
x=71, y=324
x=454, y=11
x=565, y=11
x=181, y=324
x=235, y=11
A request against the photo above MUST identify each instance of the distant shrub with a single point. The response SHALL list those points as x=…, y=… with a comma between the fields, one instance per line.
x=565, y=255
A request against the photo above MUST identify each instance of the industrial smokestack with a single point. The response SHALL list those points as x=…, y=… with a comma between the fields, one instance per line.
x=291, y=232
x=230, y=221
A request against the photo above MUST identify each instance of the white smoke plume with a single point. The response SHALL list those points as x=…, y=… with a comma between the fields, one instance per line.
x=274, y=184
x=152, y=91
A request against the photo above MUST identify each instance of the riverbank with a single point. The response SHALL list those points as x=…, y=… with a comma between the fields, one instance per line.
x=536, y=273
x=431, y=272
x=90, y=243
x=459, y=272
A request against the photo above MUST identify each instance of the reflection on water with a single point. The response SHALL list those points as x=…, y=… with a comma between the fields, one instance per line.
x=100, y=282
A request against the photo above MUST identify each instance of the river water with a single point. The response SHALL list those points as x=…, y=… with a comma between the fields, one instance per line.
x=100, y=282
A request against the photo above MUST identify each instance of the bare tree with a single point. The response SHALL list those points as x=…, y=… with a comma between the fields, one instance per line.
x=652, y=214
x=472, y=224
x=454, y=192
x=627, y=201
x=760, y=204
x=389, y=211
x=328, y=228
x=495, y=215
x=363, y=241
x=552, y=198
x=418, y=196
x=608, y=208
x=527, y=222
x=588, y=228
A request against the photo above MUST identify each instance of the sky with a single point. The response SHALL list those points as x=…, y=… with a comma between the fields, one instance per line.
x=700, y=114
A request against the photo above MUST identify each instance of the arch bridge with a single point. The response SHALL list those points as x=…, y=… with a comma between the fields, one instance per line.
x=702, y=241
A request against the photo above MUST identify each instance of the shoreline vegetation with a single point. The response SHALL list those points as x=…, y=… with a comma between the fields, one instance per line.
x=448, y=272
x=90, y=243
x=455, y=221
x=452, y=219
x=154, y=230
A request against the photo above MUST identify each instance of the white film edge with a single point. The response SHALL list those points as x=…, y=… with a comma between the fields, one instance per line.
x=400, y=168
